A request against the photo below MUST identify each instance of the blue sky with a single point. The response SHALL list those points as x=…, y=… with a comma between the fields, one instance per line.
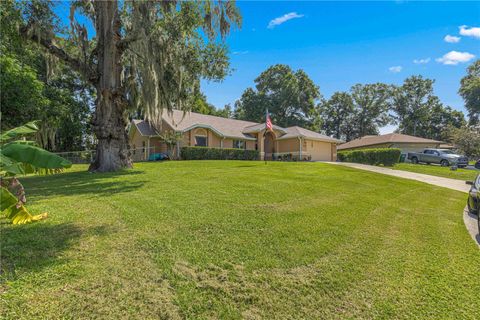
x=339, y=44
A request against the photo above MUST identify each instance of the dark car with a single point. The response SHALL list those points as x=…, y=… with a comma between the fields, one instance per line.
x=477, y=164
x=473, y=201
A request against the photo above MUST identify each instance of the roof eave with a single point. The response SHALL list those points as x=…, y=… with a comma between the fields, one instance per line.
x=376, y=144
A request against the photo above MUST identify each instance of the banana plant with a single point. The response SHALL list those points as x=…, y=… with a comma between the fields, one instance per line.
x=19, y=156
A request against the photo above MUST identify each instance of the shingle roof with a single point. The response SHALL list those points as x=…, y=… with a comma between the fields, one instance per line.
x=294, y=132
x=386, y=138
x=144, y=128
x=261, y=126
x=225, y=127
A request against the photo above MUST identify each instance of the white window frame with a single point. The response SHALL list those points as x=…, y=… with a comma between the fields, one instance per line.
x=242, y=142
x=201, y=136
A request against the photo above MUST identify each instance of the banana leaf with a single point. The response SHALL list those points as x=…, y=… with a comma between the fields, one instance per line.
x=34, y=156
x=14, y=210
x=28, y=128
x=10, y=167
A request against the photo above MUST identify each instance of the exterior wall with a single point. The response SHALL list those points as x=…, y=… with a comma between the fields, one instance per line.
x=157, y=145
x=185, y=142
x=136, y=143
x=228, y=143
x=251, y=145
x=213, y=140
x=334, y=152
x=289, y=145
x=320, y=150
x=136, y=140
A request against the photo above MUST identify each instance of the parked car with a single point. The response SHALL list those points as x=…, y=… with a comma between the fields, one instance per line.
x=442, y=157
x=473, y=201
x=477, y=164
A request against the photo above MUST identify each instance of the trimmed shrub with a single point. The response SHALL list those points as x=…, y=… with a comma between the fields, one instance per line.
x=205, y=153
x=384, y=156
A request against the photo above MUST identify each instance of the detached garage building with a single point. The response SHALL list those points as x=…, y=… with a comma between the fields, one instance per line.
x=403, y=142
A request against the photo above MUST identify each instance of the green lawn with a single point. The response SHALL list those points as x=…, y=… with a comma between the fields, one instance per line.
x=232, y=239
x=435, y=170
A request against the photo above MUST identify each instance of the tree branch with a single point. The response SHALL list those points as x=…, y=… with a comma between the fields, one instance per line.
x=123, y=44
x=85, y=70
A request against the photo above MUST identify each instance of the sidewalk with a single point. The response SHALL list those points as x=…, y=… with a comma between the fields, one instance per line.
x=453, y=184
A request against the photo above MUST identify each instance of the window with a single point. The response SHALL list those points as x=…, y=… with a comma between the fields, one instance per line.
x=239, y=144
x=134, y=149
x=144, y=146
x=200, y=141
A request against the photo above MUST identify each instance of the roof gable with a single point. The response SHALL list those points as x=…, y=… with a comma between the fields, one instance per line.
x=299, y=132
x=144, y=128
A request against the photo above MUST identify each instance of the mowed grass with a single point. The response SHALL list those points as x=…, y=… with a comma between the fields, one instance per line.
x=232, y=239
x=436, y=170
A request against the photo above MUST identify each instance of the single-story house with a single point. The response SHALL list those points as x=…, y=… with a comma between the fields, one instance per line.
x=216, y=132
x=403, y=142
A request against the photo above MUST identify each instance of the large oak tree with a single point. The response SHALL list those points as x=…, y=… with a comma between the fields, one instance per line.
x=144, y=54
x=470, y=91
x=290, y=97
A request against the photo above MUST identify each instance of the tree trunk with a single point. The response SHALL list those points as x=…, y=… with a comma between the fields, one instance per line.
x=109, y=122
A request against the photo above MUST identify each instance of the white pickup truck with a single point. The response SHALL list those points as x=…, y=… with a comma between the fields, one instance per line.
x=442, y=157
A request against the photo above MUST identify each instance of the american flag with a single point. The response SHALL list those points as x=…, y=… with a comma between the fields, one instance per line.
x=268, y=122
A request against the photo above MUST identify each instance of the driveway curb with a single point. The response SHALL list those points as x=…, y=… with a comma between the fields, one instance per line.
x=470, y=221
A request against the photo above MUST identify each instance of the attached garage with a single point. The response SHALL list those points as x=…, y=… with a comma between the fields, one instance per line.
x=309, y=144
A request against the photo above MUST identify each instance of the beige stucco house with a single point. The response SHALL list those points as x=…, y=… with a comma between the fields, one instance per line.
x=403, y=142
x=217, y=132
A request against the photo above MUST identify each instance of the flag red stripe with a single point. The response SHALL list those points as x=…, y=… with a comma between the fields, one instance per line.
x=268, y=123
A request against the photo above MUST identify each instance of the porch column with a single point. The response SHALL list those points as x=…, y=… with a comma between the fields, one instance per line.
x=148, y=149
x=300, y=148
x=260, y=143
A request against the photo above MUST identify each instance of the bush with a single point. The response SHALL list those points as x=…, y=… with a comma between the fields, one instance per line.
x=385, y=156
x=205, y=153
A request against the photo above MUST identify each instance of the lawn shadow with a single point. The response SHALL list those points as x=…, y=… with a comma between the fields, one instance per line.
x=246, y=166
x=36, y=246
x=78, y=183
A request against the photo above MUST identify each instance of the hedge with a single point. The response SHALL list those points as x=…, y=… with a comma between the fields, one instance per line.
x=385, y=156
x=205, y=153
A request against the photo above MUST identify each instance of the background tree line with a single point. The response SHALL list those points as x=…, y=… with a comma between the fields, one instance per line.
x=37, y=84
x=34, y=86
x=293, y=99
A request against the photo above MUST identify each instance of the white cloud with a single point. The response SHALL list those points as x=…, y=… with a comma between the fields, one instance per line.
x=395, y=69
x=454, y=57
x=451, y=39
x=279, y=20
x=470, y=32
x=421, y=61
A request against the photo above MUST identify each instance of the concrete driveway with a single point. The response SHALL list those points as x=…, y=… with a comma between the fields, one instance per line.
x=459, y=185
